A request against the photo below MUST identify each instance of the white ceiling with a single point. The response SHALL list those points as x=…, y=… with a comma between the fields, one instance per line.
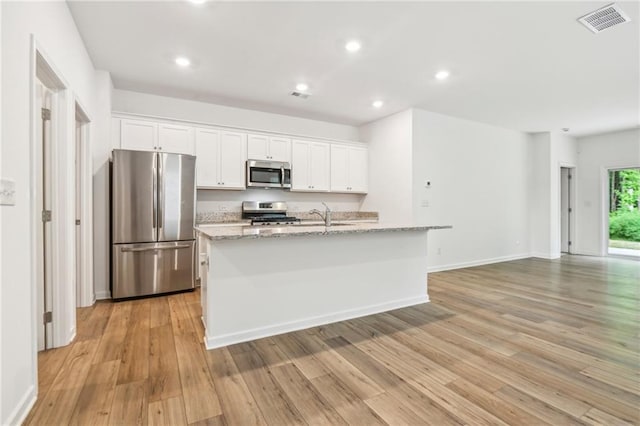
x=528, y=66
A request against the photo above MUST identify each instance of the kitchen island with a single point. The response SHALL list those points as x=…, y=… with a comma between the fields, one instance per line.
x=262, y=281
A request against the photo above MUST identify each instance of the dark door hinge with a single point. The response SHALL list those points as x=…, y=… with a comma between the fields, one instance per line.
x=570, y=210
x=47, y=317
x=46, y=215
x=569, y=242
x=46, y=114
x=77, y=221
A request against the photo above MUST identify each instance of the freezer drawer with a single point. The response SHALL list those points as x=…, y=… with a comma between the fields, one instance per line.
x=153, y=268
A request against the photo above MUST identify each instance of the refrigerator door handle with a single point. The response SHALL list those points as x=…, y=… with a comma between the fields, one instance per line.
x=160, y=179
x=179, y=246
x=155, y=197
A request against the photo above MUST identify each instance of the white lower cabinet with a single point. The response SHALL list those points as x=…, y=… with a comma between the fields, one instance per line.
x=221, y=157
x=349, y=169
x=310, y=166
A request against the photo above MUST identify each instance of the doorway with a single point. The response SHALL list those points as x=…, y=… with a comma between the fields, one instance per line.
x=624, y=212
x=82, y=178
x=567, y=197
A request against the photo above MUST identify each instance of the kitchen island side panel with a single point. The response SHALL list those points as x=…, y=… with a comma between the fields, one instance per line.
x=262, y=287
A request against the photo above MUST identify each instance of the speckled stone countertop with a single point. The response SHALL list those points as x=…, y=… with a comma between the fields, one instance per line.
x=214, y=232
x=236, y=217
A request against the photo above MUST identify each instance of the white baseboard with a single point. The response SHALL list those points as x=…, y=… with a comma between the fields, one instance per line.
x=439, y=268
x=549, y=256
x=272, y=330
x=23, y=408
x=103, y=294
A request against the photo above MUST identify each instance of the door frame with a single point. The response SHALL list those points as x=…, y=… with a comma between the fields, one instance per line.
x=85, y=293
x=572, y=203
x=62, y=201
x=604, y=204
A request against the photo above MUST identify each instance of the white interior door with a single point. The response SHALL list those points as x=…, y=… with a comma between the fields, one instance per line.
x=44, y=101
x=78, y=212
x=566, y=209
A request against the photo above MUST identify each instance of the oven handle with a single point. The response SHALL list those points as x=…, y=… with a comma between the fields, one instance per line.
x=282, y=176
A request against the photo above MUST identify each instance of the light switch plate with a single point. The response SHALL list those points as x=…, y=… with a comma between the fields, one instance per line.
x=7, y=192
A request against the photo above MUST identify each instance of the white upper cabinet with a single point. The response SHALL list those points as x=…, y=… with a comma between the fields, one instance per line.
x=175, y=139
x=233, y=159
x=269, y=148
x=140, y=135
x=207, y=158
x=221, y=158
x=309, y=166
x=349, y=169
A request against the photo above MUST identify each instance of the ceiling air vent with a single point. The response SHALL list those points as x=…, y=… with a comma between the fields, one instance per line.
x=300, y=95
x=604, y=18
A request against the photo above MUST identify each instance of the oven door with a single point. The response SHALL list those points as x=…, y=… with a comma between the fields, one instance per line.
x=265, y=174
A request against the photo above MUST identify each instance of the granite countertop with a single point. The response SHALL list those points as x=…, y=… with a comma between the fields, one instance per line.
x=214, y=232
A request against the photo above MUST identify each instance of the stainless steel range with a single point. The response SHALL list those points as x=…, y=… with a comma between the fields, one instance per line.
x=267, y=213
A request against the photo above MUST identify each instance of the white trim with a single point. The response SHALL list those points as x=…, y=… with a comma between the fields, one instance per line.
x=548, y=256
x=84, y=284
x=137, y=116
x=257, y=333
x=451, y=266
x=62, y=131
x=102, y=295
x=23, y=408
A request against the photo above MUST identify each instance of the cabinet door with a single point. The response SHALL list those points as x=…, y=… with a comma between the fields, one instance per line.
x=319, y=166
x=358, y=170
x=207, y=158
x=339, y=168
x=138, y=135
x=280, y=149
x=175, y=139
x=258, y=147
x=233, y=158
x=300, y=176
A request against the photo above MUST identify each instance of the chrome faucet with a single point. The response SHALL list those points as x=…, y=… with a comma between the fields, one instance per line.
x=327, y=214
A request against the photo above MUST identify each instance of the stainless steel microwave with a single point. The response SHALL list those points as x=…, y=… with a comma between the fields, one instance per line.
x=268, y=174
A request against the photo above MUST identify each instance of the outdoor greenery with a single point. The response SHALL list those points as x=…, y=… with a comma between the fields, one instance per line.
x=624, y=205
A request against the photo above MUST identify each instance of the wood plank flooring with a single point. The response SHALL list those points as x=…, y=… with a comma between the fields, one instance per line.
x=526, y=342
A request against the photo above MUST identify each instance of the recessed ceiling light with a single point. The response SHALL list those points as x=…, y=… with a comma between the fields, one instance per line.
x=442, y=75
x=377, y=104
x=353, y=45
x=565, y=129
x=301, y=87
x=182, y=61
x=197, y=1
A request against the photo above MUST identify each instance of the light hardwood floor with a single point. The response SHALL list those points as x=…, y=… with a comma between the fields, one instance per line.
x=524, y=343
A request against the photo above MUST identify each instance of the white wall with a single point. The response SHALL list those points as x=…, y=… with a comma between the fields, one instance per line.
x=390, y=168
x=54, y=29
x=101, y=154
x=539, y=193
x=479, y=178
x=181, y=109
x=596, y=154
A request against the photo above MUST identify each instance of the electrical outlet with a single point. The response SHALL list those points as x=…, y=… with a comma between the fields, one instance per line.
x=7, y=192
x=439, y=251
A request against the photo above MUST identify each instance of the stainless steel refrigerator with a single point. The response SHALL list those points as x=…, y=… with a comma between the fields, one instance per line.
x=152, y=218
